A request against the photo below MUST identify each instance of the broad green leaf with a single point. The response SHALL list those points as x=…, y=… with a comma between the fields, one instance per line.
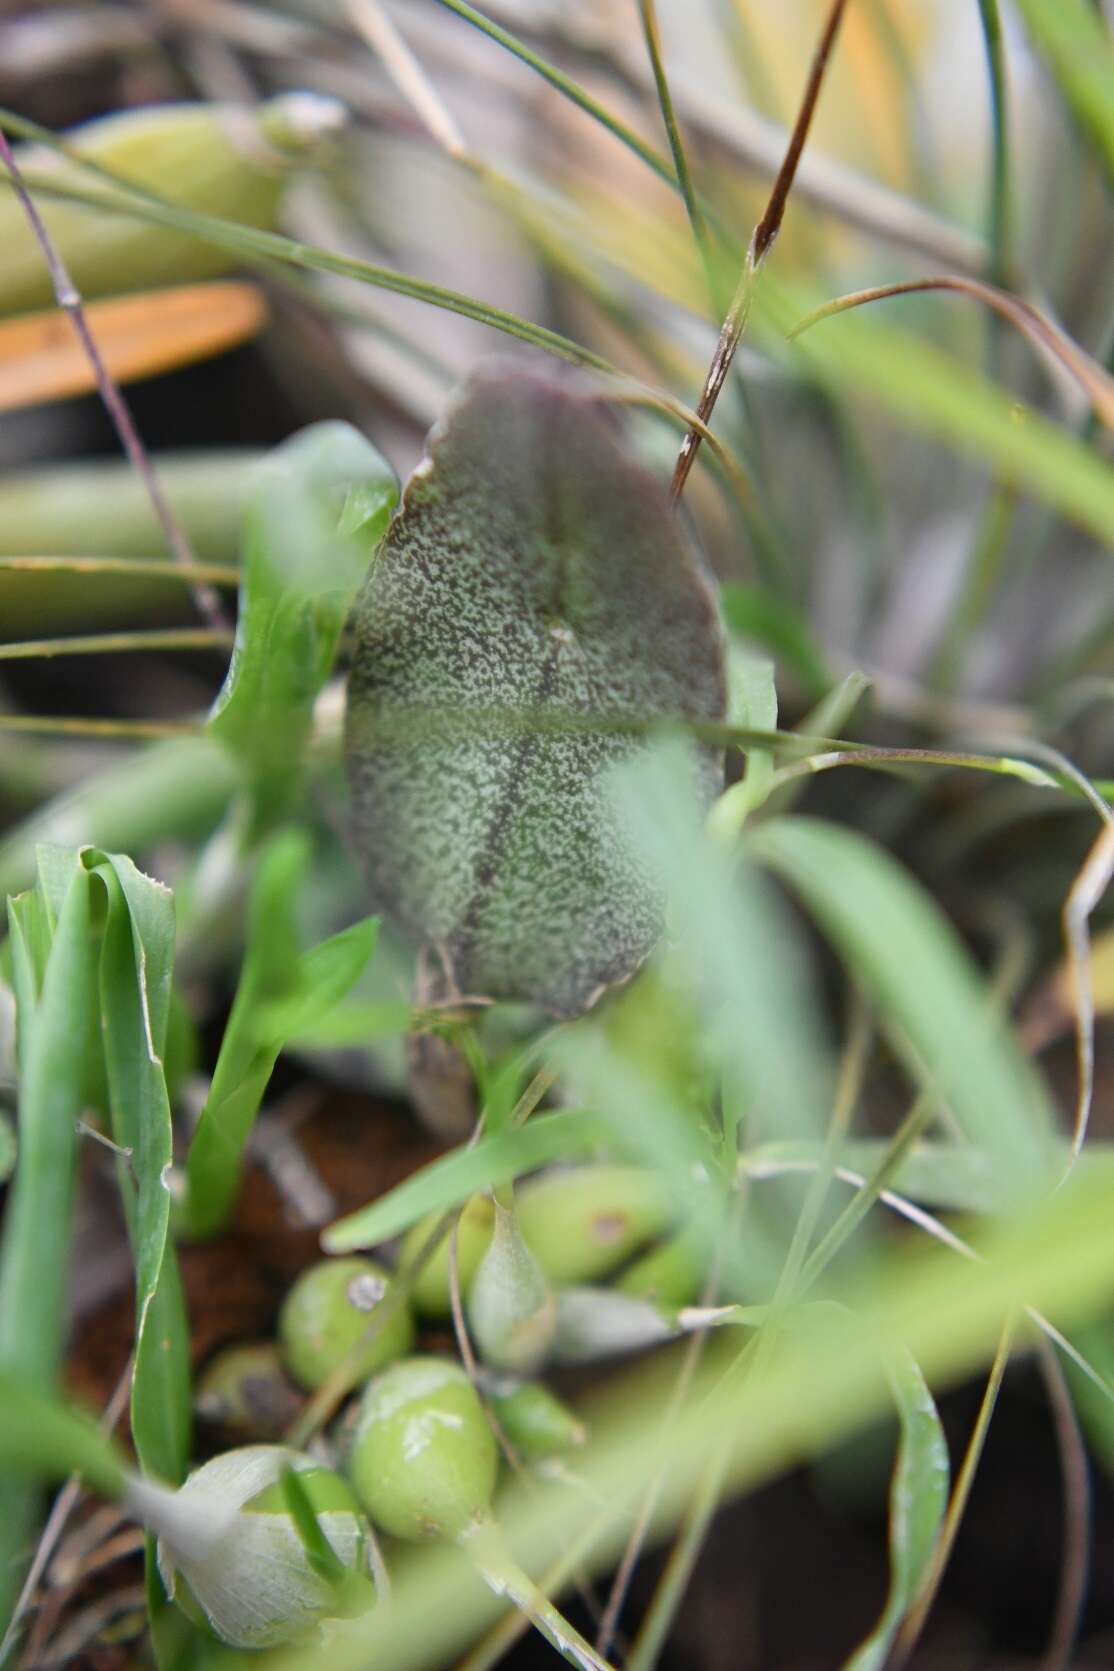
x=918, y=1500
x=451, y=1180
x=279, y=989
x=1074, y=37
x=317, y=511
x=34, y=1251
x=535, y=580
x=908, y=957
x=136, y=960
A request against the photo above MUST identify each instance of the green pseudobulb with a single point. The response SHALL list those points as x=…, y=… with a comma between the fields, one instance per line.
x=533, y=596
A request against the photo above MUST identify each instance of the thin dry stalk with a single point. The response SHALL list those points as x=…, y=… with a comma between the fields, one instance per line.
x=731, y=333
x=1075, y=1565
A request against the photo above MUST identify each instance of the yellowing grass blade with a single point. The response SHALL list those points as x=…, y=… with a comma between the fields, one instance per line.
x=139, y=336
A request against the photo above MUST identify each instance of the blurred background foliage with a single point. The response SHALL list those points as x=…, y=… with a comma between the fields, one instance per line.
x=913, y=525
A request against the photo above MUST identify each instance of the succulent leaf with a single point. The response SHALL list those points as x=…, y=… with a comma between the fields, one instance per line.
x=532, y=607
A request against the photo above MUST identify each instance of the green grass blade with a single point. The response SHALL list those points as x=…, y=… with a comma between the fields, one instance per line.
x=43, y=1439
x=733, y=937
x=34, y=1252
x=938, y=394
x=176, y=789
x=911, y=962
x=1074, y=39
x=755, y=613
x=318, y=509
x=243, y=1065
x=998, y=230
x=276, y=984
x=9, y=1148
x=652, y=36
x=137, y=953
x=918, y=1501
x=451, y=1180
x=565, y=85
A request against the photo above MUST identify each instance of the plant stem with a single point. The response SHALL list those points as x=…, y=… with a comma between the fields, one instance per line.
x=734, y=325
x=112, y=643
x=485, y=1549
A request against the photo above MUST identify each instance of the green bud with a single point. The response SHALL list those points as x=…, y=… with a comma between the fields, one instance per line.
x=430, y=1293
x=424, y=1459
x=510, y=1304
x=245, y=1391
x=328, y=1312
x=600, y=1323
x=671, y=1273
x=254, y=1582
x=535, y=1421
x=583, y=1222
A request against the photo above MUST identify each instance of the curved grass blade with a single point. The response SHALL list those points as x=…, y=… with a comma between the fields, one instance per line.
x=55, y=1047
x=908, y=957
x=42, y=1438
x=319, y=507
x=1040, y=331
x=136, y=960
x=918, y=1502
x=936, y=393
x=451, y=1180
x=305, y=985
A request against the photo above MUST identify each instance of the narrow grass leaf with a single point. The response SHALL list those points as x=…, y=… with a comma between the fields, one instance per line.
x=279, y=989
x=936, y=393
x=910, y=960
x=732, y=936
x=44, y=1439
x=918, y=1502
x=34, y=1251
x=754, y=613
x=451, y=1180
x=953, y=1176
x=320, y=505
x=136, y=961
x=1074, y=39
x=9, y=1148
x=243, y=1065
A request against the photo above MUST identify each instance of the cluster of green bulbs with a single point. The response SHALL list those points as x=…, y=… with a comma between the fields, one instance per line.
x=417, y=1451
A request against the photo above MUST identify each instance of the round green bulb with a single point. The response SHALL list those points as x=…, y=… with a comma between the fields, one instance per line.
x=424, y=1459
x=328, y=1312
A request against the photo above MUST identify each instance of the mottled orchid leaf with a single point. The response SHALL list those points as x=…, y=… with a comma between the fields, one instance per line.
x=532, y=609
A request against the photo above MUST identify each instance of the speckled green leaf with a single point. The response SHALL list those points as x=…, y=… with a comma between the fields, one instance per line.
x=533, y=580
